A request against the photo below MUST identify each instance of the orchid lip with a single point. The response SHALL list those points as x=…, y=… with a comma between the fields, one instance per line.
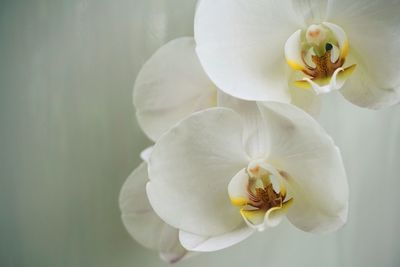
x=264, y=196
x=320, y=53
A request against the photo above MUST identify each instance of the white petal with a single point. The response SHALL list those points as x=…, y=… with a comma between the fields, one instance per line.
x=293, y=50
x=255, y=137
x=237, y=188
x=312, y=12
x=241, y=46
x=190, y=168
x=137, y=214
x=170, y=86
x=170, y=247
x=306, y=100
x=317, y=179
x=374, y=34
x=194, y=242
x=142, y=222
x=362, y=90
x=145, y=154
x=304, y=97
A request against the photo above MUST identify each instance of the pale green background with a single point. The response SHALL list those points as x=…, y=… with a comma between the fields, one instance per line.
x=69, y=139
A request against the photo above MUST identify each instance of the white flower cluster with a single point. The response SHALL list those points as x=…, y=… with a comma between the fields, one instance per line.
x=230, y=112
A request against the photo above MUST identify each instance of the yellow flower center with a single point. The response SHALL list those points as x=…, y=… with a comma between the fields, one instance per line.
x=266, y=195
x=319, y=43
x=319, y=52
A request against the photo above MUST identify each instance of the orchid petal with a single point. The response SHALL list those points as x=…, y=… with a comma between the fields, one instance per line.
x=255, y=137
x=190, y=169
x=170, y=247
x=142, y=222
x=362, y=90
x=311, y=12
x=304, y=97
x=374, y=32
x=312, y=165
x=293, y=49
x=194, y=242
x=241, y=48
x=307, y=100
x=237, y=188
x=170, y=86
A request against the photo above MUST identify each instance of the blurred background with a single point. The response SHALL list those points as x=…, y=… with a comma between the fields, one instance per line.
x=69, y=138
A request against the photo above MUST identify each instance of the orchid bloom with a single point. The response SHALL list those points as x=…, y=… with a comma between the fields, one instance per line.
x=170, y=86
x=223, y=173
x=270, y=50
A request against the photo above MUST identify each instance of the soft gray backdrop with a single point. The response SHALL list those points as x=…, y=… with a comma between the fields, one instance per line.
x=68, y=140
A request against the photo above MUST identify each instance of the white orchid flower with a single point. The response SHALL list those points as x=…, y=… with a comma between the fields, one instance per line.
x=170, y=86
x=223, y=173
x=245, y=47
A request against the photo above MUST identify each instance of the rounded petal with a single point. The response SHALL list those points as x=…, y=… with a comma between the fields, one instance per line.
x=190, y=168
x=241, y=46
x=255, y=137
x=306, y=100
x=170, y=86
x=362, y=90
x=293, y=50
x=137, y=214
x=311, y=12
x=142, y=222
x=170, y=248
x=303, y=97
x=237, y=188
x=194, y=242
x=312, y=166
x=374, y=34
